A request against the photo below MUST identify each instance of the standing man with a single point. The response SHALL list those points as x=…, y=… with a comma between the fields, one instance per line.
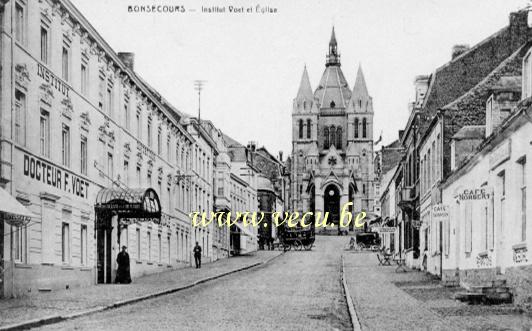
x=123, y=275
x=197, y=255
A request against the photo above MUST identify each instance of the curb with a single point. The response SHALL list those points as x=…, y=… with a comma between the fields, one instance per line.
x=60, y=318
x=352, y=313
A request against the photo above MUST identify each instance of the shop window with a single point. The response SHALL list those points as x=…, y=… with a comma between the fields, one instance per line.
x=149, y=246
x=65, y=243
x=19, y=243
x=169, y=250
x=83, y=245
x=468, y=235
x=137, y=232
x=160, y=246
x=522, y=190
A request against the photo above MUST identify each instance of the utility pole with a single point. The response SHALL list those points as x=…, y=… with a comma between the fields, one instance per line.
x=198, y=86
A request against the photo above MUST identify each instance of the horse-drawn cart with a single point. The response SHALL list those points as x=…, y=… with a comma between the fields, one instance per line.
x=296, y=237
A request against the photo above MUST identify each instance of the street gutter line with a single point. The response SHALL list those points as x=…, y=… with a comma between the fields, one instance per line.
x=352, y=313
x=53, y=319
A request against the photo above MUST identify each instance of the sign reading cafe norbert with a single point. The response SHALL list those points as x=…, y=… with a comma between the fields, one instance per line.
x=51, y=175
x=483, y=193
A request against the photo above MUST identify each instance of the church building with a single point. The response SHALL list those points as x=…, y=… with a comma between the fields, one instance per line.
x=332, y=142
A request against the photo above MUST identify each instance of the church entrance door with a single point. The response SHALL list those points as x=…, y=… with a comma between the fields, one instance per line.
x=332, y=203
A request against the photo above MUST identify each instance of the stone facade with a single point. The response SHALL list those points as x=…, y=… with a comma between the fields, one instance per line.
x=332, y=143
x=77, y=119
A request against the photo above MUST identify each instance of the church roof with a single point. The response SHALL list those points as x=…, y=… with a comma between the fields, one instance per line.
x=333, y=38
x=333, y=87
x=305, y=91
x=360, y=89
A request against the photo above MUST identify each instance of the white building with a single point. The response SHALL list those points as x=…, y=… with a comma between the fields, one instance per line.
x=81, y=133
x=489, y=231
x=243, y=195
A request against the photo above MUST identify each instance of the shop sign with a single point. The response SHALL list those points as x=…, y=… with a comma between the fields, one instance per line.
x=385, y=229
x=45, y=172
x=440, y=213
x=483, y=193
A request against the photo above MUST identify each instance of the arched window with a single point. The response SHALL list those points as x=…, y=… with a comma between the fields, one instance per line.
x=332, y=135
x=300, y=129
x=364, y=128
x=339, y=138
x=304, y=105
x=356, y=127
x=309, y=127
x=326, y=138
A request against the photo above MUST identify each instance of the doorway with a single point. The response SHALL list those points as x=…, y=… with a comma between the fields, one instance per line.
x=332, y=203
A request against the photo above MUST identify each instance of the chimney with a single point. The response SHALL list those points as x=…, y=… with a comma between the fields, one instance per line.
x=281, y=156
x=421, y=84
x=252, y=146
x=459, y=50
x=128, y=59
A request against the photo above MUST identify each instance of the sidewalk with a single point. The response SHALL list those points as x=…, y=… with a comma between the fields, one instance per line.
x=386, y=300
x=68, y=303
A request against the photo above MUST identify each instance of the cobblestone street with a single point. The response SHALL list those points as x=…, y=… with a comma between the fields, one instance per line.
x=386, y=300
x=294, y=291
x=297, y=291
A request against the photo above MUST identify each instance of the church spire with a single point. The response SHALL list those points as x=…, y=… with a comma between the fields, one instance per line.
x=333, y=57
x=360, y=89
x=305, y=91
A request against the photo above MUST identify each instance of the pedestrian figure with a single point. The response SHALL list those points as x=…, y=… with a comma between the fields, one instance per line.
x=352, y=243
x=197, y=255
x=123, y=275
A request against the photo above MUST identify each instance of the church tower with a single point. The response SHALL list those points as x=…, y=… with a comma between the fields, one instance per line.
x=332, y=142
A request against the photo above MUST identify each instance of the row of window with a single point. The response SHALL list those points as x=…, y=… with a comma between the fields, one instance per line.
x=332, y=136
x=358, y=126
x=106, y=89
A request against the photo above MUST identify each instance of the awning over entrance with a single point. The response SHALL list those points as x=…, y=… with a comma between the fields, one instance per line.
x=12, y=211
x=244, y=231
x=129, y=203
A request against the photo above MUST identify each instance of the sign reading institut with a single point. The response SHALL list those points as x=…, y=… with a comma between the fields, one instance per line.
x=51, y=175
x=52, y=79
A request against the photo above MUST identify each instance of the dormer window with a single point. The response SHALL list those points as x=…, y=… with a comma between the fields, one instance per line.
x=333, y=104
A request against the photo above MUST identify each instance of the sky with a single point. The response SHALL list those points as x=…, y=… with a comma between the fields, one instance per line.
x=252, y=63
